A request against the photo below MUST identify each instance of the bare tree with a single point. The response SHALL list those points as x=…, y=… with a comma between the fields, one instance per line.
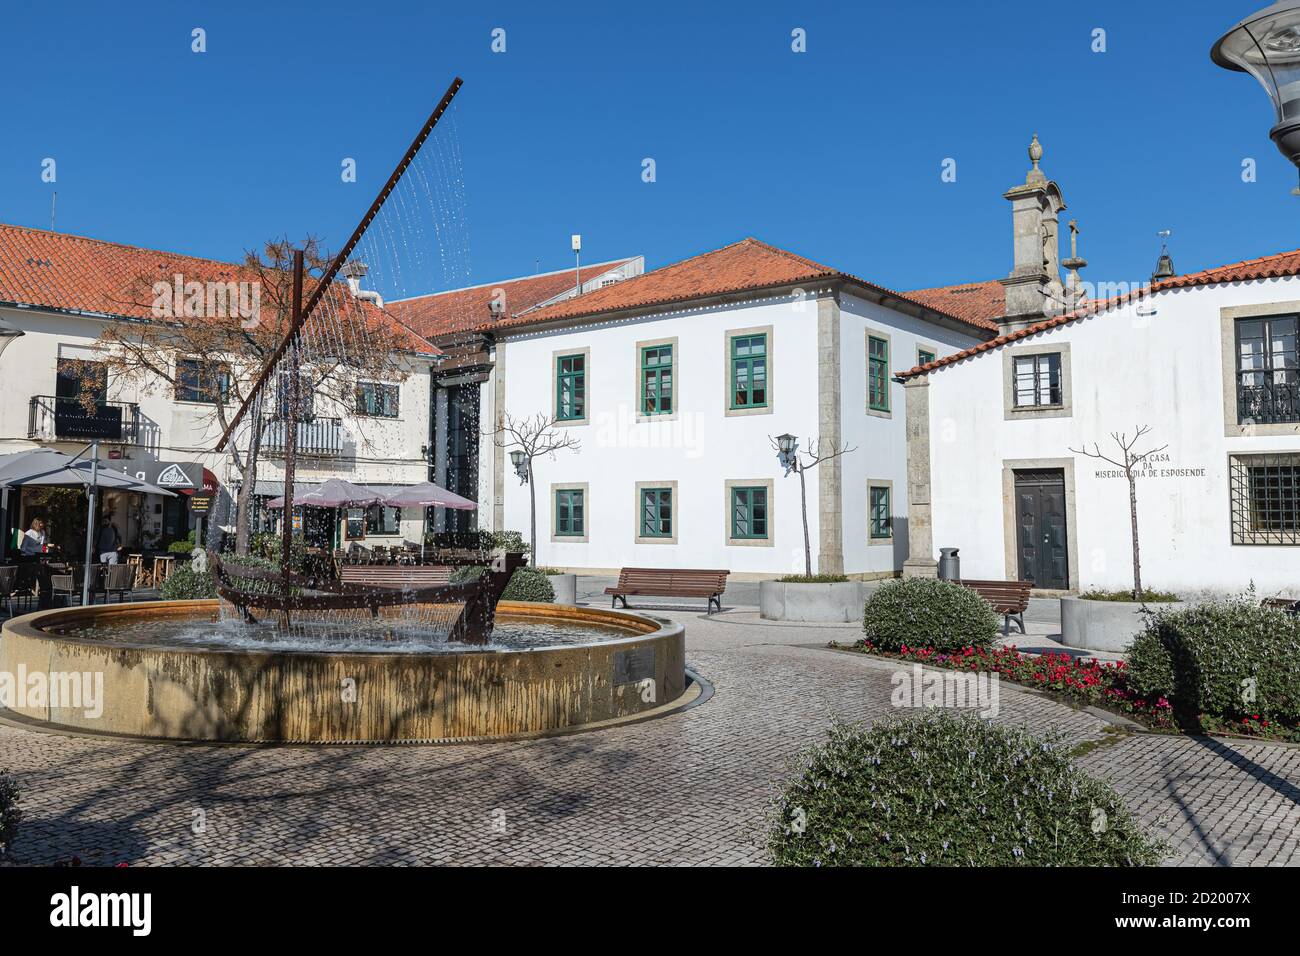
x=1129, y=464
x=534, y=437
x=232, y=349
x=818, y=451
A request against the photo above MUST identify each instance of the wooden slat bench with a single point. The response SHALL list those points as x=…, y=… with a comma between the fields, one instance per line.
x=669, y=582
x=395, y=575
x=1290, y=605
x=1009, y=598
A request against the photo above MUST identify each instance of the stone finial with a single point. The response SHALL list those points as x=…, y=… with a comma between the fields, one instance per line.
x=1036, y=176
x=1074, y=284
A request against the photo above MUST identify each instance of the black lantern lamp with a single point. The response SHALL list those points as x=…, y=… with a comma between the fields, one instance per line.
x=1267, y=46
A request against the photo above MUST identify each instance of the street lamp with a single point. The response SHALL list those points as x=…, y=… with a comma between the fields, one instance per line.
x=1267, y=46
x=786, y=447
x=519, y=460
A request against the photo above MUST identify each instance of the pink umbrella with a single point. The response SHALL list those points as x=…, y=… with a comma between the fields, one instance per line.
x=426, y=495
x=332, y=493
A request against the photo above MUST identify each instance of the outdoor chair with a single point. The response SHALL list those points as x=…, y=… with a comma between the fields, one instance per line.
x=27, y=582
x=117, y=579
x=70, y=584
x=8, y=581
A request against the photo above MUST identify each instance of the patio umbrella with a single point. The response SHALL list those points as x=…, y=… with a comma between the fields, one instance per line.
x=44, y=467
x=332, y=493
x=426, y=495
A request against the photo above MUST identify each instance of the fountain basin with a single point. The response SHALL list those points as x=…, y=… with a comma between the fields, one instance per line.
x=178, y=691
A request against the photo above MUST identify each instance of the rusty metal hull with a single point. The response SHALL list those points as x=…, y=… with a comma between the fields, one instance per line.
x=329, y=697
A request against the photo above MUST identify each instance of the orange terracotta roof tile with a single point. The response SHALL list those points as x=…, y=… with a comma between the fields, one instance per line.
x=75, y=274
x=1274, y=266
x=980, y=303
x=744, y=266
x=460, y=310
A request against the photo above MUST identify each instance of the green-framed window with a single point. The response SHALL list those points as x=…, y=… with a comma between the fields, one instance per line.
x=570, y=512
x=749, y=371
x=657, y=380
x=924, y=356
x=571, y=387
x=656, y=512
x=749, y=513
x=377, y=399
x=881, y=524
x=877, y=374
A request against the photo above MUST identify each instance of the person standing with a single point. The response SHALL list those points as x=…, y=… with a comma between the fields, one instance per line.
x=108, y=543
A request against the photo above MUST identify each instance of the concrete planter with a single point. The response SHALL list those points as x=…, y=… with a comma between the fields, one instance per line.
x=566, y=587
x=1104, y=625
x=822, y=603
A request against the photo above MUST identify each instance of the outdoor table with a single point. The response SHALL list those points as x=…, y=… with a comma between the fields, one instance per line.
x=162, y=568
x=143, y=578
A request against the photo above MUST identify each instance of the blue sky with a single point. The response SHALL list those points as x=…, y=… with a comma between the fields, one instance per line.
x=835, y=153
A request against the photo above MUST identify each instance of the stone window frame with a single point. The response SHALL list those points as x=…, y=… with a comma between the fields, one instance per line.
x=585, y=488
x=727, y=336
x=869, y=334
x=636, y=513
x=1009, y=527
x=888, y=486
x=1009, y=355
x=556, y=355
x=641, y=415
x=729, y=485
x=1228, y=316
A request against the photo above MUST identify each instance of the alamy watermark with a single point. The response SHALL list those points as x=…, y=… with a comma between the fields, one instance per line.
x=56, y=690
x=961, y=690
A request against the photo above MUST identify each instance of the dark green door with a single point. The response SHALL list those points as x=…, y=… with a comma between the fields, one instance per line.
x=1041, y=543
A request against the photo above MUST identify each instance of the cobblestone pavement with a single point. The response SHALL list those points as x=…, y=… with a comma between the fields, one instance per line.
x=689, y=788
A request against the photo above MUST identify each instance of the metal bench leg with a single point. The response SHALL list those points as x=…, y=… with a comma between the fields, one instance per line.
x=1006, y=625
x=715, y=599
x=1020, y=619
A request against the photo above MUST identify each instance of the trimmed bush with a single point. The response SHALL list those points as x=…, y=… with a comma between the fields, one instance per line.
x=529, y=584
x=1227, y=658
x=1148, y=596
x=186, y=584
x=935, y=789
x=813, y=579
x=924, y=612
x=10, y=814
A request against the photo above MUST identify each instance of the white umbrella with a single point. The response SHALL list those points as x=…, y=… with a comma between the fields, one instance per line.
x=428, y=495
x=332, y=493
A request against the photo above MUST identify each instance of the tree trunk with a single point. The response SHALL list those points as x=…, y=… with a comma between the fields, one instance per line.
x=1133, y=518
x=532, y=516
x=807, y=545
x=244, y=506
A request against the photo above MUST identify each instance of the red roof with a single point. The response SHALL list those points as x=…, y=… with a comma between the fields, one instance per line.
x=65, y=273
x=979, y=303
x=461, y=310
x=1267, y=267
x=743, y=266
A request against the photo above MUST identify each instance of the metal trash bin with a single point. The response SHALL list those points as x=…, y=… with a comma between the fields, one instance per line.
x=949, y=565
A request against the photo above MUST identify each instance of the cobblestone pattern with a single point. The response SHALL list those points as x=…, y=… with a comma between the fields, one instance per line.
x=691, y=788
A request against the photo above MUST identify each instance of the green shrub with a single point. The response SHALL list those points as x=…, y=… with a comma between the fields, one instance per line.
x=184, y=546
x=1226, y=658
x=10, y=813
x=468, y=572
x=186, y=584
x=1148, y=596
x=924, y=612
x=507, y=541
x=934, y=789
x=812, y=579
x=528, y=584
x=271, y=547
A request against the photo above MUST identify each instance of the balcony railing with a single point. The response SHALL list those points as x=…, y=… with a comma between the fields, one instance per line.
x=50, y=418
x=320, y=437
x=1270, y=402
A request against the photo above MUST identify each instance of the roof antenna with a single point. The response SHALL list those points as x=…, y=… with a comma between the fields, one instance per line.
x=54, y=201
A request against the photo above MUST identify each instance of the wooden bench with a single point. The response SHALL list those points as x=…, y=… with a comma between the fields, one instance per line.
x=1290, y=605
x=669, y=582
x=1009, y=598
x=402, y=576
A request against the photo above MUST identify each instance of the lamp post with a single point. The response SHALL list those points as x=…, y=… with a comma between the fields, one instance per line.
x=1267, y=46
x=521, y=463
x=787, y=453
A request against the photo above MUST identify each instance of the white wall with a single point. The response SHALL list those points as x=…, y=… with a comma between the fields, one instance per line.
x=1162, y=369
x=880, y=442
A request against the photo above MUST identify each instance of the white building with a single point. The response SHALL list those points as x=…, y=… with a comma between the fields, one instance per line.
x=676, y=381
x=1206, y=361
x=61, y=292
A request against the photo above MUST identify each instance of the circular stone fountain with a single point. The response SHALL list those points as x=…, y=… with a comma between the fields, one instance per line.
x=176, y=670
